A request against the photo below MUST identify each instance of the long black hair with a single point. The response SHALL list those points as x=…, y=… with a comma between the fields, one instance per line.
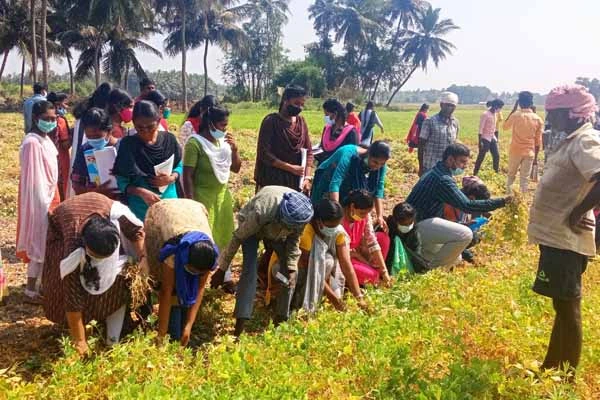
x=97, y=118
x=334, y=106
x=201, y=106
x=361, y=199
x=100, y=236
x=117, y=100
x=328, y=210
x=98, y=99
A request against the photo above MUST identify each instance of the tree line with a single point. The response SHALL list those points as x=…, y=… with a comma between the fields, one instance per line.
x=383, y=42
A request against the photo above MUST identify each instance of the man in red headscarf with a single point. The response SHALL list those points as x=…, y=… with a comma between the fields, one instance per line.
x=562, y=222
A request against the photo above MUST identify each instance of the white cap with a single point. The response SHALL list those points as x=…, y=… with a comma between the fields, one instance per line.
x=449, y=98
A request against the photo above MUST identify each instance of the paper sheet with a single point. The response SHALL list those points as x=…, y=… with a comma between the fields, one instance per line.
x=105, y=160
x=165, y=167
x=304, y=156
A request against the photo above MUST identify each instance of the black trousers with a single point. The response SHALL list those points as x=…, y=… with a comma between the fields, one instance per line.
x=484, y=147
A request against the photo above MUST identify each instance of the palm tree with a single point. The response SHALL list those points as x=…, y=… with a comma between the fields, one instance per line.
x=44, y=29
x=425, y=44
x=33, y=41
x=121, y=57
x=103, y=19
x=175, y=15
x=405, y=13
x=214, y=24
x=14, y=29
x=354, y=24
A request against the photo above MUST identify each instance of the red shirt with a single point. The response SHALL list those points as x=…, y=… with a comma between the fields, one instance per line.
x=354, y=120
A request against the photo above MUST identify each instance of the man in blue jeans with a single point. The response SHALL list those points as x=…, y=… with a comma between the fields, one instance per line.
x=277, y=216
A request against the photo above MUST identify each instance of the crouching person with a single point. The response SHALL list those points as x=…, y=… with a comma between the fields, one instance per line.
x=83, y=277
x=277, y=216
x=181, y=256
x=325, y=265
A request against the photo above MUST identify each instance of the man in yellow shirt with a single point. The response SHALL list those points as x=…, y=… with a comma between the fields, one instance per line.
x=526, y=140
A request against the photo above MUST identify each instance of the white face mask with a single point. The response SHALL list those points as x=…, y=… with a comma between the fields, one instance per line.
x=329, y=231
x=405, y=228
x=328, y=120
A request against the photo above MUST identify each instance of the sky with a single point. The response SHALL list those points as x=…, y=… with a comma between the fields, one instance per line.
x=507, y=45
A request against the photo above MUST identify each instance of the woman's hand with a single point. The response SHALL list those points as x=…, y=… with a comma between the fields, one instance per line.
x=185, y=335
x=386, y=279
x=306, y=186
x=230, y=140
x=382, y=224
x=297, y=170
x=162, y=180
x=148, y=196
x=106, y=190
x=82, y=348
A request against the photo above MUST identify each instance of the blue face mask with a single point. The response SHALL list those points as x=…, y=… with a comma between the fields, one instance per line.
x=328, y=120
x=166, y=113
x=216, y=133
x=458, y=171
x=61, y=111
x=98, y=144
x=46, y=126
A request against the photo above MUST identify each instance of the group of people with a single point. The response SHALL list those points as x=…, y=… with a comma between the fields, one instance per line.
x=322, y=232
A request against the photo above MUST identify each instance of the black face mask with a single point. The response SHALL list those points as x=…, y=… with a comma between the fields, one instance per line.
x=293, y=110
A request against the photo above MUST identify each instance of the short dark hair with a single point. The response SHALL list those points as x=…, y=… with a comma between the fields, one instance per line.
x=496, y=104
x=370, y=105
x=478, y=190
x=145, y=109
x=56, y=97
x=334, y=106
x=145, y=82
x=350, y=107
x=157, y=98
x=525, y=99
x=403, y=210
x=328, y=210
x=200, y=107
x=39, y=87
x=41, y=107
x=213, y=115
x=202, y=256
x=100, y=235
x=424, y=107
x=456, y=150
x=380, y=149
x=97, y=118
x=362, y=199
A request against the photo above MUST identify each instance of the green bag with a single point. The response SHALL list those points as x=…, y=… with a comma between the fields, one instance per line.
x=401, y=262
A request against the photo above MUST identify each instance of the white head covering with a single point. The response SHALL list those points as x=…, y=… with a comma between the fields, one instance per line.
x=449, y=98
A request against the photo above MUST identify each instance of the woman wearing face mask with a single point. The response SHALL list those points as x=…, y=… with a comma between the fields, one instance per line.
x=98, y=99
x=181, y=256
x=325, y=266
x=62, y=140
x=282, y=139
x=84, y=269
x=337, y=132
x=139, y=154
x=368, y=249
x=352, y=168
x=38, y=193
x=162, y=104
x=98, y=127
x=194, y=118
x=402, y=232
x=208, y=159
x=120, y=108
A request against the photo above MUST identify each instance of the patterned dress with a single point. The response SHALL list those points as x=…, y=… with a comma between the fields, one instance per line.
x=64, y=236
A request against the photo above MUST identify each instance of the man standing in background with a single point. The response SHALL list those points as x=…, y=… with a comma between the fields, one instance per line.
x=437, y=133
x=527, y=128
x=40, y=91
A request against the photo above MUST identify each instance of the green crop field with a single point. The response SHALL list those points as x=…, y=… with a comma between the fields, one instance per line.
x=476, y=332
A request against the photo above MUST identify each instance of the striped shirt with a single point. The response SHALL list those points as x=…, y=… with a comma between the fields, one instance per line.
x=436, y=188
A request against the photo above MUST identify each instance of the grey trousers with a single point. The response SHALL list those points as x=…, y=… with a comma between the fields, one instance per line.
x=443, y=241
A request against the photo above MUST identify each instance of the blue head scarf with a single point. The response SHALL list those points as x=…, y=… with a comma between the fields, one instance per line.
x=295, y=209
x=186, y=284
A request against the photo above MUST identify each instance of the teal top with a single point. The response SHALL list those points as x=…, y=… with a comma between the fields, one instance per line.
x=135, y=203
